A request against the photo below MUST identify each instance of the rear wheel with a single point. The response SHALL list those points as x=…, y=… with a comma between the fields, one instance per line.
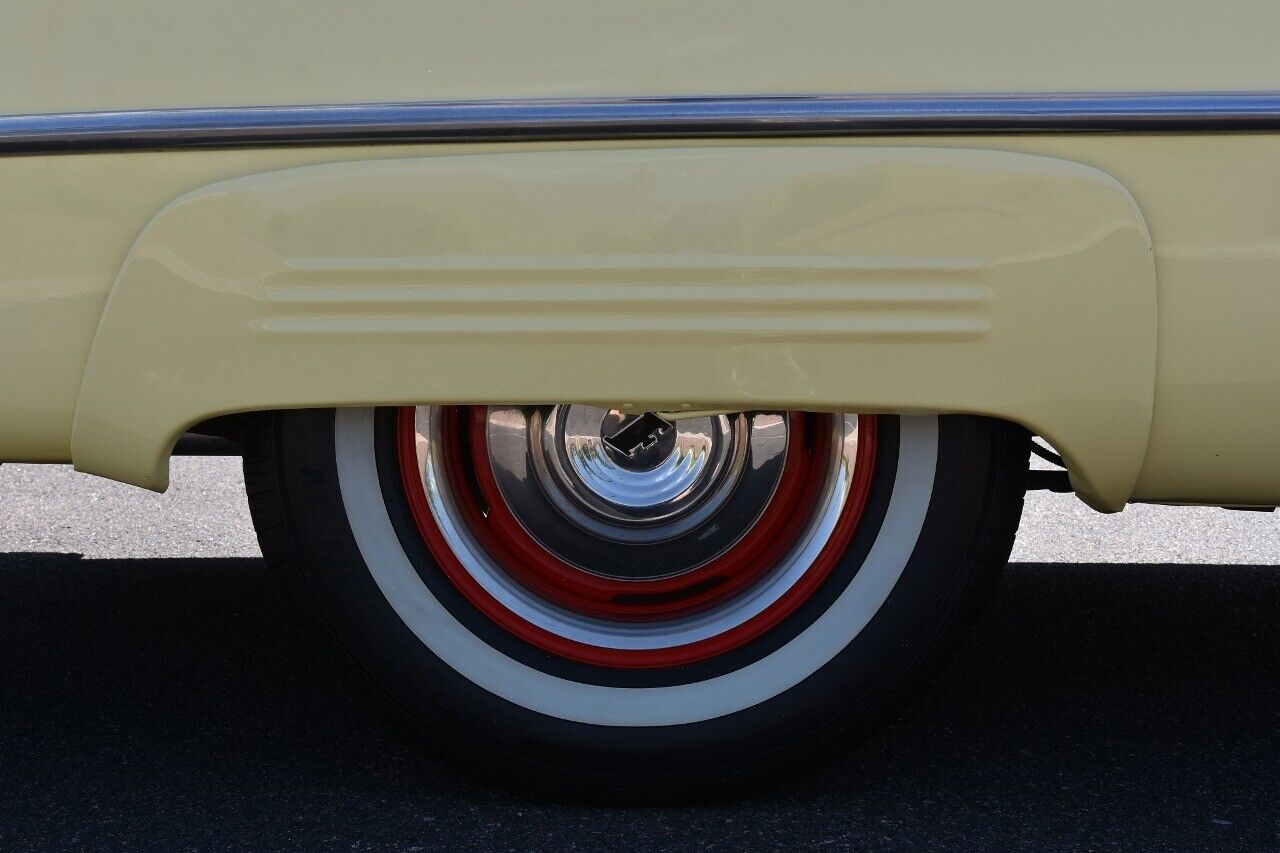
x=633, y=601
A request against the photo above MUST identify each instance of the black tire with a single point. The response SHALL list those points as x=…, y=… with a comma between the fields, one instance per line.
x=942, y=569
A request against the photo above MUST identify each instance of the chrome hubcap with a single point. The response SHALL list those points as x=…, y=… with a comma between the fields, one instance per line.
x=669, y=469
x=642, y=497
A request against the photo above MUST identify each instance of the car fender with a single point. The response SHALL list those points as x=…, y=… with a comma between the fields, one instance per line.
x=708, y=276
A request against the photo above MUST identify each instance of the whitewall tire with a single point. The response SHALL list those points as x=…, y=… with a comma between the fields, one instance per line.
x=585, y=596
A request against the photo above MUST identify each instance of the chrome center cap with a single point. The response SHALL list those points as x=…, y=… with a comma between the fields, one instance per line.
x=634, y=495
x=633, y=469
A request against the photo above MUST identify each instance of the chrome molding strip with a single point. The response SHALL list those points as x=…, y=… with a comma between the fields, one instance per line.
x=482, y=121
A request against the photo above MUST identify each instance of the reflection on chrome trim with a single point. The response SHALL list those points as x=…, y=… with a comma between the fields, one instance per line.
x=751, y=116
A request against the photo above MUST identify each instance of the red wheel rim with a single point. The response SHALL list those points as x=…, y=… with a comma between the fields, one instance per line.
x=544, y=574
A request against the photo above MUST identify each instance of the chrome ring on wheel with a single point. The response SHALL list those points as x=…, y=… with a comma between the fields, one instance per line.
x=628, y=540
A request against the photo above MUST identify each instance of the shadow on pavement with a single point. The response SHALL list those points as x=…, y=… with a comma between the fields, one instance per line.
x=167, y=703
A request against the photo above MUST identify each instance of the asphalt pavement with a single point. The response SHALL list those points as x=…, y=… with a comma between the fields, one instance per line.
x=1121, y=692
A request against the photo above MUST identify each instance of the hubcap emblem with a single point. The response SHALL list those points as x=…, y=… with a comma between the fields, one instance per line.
x=638, y=432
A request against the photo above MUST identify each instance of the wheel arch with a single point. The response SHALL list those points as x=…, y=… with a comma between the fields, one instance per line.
x=819, y=277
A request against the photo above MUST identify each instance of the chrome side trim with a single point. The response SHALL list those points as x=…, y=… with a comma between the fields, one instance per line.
x=475, y=121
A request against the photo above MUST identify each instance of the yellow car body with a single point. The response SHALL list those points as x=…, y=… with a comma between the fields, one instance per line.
x=898, y=208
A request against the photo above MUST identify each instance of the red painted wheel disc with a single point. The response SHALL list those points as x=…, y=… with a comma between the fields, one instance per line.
x=732, y=573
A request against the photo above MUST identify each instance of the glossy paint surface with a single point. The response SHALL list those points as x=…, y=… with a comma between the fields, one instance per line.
x=59, y=55
x=789, y=277
x=1211, y=205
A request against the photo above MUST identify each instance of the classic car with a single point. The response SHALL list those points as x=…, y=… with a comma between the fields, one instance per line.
x=643, y=393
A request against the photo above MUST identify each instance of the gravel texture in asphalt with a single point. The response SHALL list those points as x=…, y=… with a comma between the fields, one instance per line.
x=1121, y=692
